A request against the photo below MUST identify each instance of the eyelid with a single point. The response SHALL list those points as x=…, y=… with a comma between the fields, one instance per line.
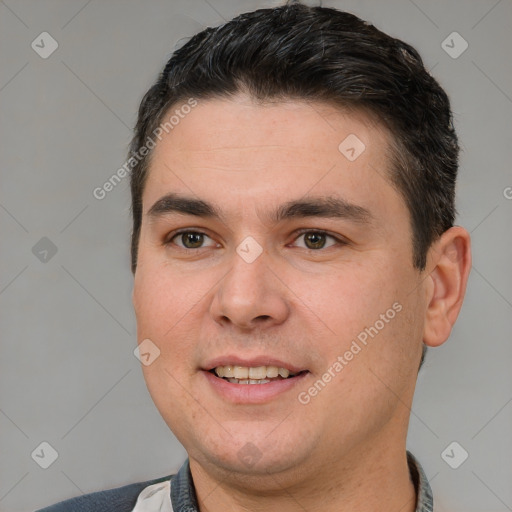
x=338, y=238
x=168, y=239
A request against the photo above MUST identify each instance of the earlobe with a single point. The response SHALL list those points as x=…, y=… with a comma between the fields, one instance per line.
x=450, y=261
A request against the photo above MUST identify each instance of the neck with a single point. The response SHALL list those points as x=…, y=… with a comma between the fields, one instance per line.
x=366, y=479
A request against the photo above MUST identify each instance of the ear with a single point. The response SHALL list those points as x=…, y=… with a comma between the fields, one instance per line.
x=449, y=264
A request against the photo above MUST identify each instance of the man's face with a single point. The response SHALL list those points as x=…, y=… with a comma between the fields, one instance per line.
x=250, y=290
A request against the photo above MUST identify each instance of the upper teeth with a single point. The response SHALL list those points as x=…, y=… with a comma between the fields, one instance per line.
x=258, y=372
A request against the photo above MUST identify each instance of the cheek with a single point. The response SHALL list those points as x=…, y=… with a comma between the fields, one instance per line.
x=158, y=309
x=368, y=317
x=350, y=298
x=162, y=299
x=164, y=307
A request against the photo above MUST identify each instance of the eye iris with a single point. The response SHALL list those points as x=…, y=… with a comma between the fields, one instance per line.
x=193, y=240
x=316, y=239
x=196, y=240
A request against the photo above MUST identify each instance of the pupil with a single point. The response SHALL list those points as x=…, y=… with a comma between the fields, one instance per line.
x=316, y=239
x=196, y=239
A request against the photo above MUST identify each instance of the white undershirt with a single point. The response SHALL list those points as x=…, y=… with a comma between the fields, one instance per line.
x=155, y=498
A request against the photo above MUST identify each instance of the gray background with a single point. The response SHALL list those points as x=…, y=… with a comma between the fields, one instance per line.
x=68, y=375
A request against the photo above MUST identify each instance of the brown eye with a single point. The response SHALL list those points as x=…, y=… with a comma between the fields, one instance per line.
x=315, y=240
x=189, y=239
x=192, y=240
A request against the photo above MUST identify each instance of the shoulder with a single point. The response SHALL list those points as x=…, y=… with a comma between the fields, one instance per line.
x=120, y=499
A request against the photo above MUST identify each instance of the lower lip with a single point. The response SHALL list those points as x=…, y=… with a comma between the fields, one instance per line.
x=252, y=393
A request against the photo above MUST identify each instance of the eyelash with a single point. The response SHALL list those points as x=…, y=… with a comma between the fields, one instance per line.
x=339, y=241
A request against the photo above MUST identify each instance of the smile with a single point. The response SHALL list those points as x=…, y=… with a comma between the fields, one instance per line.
x=252, y=375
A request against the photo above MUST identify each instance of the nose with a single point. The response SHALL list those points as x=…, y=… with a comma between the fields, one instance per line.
x=251, y=295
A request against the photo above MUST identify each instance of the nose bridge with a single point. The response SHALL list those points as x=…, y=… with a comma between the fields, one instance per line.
x=250, y=294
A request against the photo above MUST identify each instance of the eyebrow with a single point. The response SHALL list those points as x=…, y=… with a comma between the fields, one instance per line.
x=328, y=207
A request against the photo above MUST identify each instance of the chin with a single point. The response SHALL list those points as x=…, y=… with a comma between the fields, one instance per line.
x=248, y=453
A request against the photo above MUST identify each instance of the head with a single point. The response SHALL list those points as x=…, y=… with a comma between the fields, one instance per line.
x=285, y=119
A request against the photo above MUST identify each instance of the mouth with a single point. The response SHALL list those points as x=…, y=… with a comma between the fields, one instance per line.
x=236, y=374
x=258, y=380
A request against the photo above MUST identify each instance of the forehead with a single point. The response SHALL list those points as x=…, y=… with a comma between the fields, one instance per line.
x=228, y=129
x=239, y=149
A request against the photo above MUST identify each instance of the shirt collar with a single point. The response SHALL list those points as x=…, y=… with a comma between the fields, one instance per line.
x=183, y=495
x=425, y=499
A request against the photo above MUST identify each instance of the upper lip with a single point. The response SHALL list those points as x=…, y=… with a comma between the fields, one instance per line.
x=251, y=363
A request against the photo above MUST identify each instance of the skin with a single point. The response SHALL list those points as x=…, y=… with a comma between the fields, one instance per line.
x=345, y=449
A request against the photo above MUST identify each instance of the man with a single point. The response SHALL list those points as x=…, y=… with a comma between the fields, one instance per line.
x=294, y=252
